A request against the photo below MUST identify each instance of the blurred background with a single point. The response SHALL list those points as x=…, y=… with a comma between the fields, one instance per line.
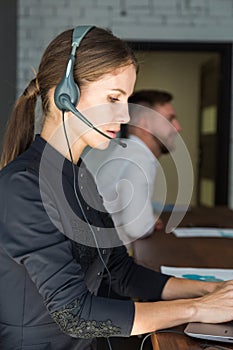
x=184, y=46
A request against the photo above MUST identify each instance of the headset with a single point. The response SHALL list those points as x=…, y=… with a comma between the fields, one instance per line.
x=67, y=92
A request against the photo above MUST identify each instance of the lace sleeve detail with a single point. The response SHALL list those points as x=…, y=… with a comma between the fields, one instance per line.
x=68, y=320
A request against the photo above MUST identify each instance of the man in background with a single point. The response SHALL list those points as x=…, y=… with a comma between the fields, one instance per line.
x=125, y=178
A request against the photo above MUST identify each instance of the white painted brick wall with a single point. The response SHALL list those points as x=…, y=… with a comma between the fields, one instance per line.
x=40, y=20
x=181, y=20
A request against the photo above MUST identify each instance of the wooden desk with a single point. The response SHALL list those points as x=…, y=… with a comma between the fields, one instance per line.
x=166, y=249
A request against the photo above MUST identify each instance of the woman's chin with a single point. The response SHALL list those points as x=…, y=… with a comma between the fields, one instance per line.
x=102, y=145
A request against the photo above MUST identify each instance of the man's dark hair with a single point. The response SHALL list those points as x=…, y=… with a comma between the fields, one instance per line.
x=150, y=97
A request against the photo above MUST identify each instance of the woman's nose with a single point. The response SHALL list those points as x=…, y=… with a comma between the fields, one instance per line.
x=122, y=113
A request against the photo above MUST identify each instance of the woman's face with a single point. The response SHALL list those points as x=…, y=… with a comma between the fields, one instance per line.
x=104, y=104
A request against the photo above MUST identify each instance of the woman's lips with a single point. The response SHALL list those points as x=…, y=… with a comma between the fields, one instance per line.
x=112, y=133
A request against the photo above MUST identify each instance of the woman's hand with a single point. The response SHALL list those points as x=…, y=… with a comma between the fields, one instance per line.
x=217, y=306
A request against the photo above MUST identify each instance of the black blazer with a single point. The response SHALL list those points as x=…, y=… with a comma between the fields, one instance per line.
x=52, y=261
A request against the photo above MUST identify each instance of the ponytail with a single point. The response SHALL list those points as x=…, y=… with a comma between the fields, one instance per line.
x=20, y=129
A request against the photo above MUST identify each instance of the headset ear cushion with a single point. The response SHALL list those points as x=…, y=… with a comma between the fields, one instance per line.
x=67, y=87
x=70, y=90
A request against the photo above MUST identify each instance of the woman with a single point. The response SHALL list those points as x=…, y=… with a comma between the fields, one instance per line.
x=55, y=240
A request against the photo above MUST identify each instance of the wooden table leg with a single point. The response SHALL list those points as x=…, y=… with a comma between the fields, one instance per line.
x=165, y=341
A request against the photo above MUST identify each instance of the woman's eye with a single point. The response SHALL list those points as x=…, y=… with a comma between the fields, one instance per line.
x=113, y=99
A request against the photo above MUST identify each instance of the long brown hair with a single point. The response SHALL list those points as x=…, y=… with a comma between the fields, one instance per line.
x=99, y=53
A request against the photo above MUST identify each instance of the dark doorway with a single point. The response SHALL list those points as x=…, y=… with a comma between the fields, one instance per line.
x=223, y=107
x=8, y=64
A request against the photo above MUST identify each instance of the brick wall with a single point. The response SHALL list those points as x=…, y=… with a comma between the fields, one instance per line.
x=190, y=20
x=194, y=20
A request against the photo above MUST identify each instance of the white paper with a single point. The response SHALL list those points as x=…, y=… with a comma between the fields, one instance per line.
x=203, y=232
x=200, y=274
